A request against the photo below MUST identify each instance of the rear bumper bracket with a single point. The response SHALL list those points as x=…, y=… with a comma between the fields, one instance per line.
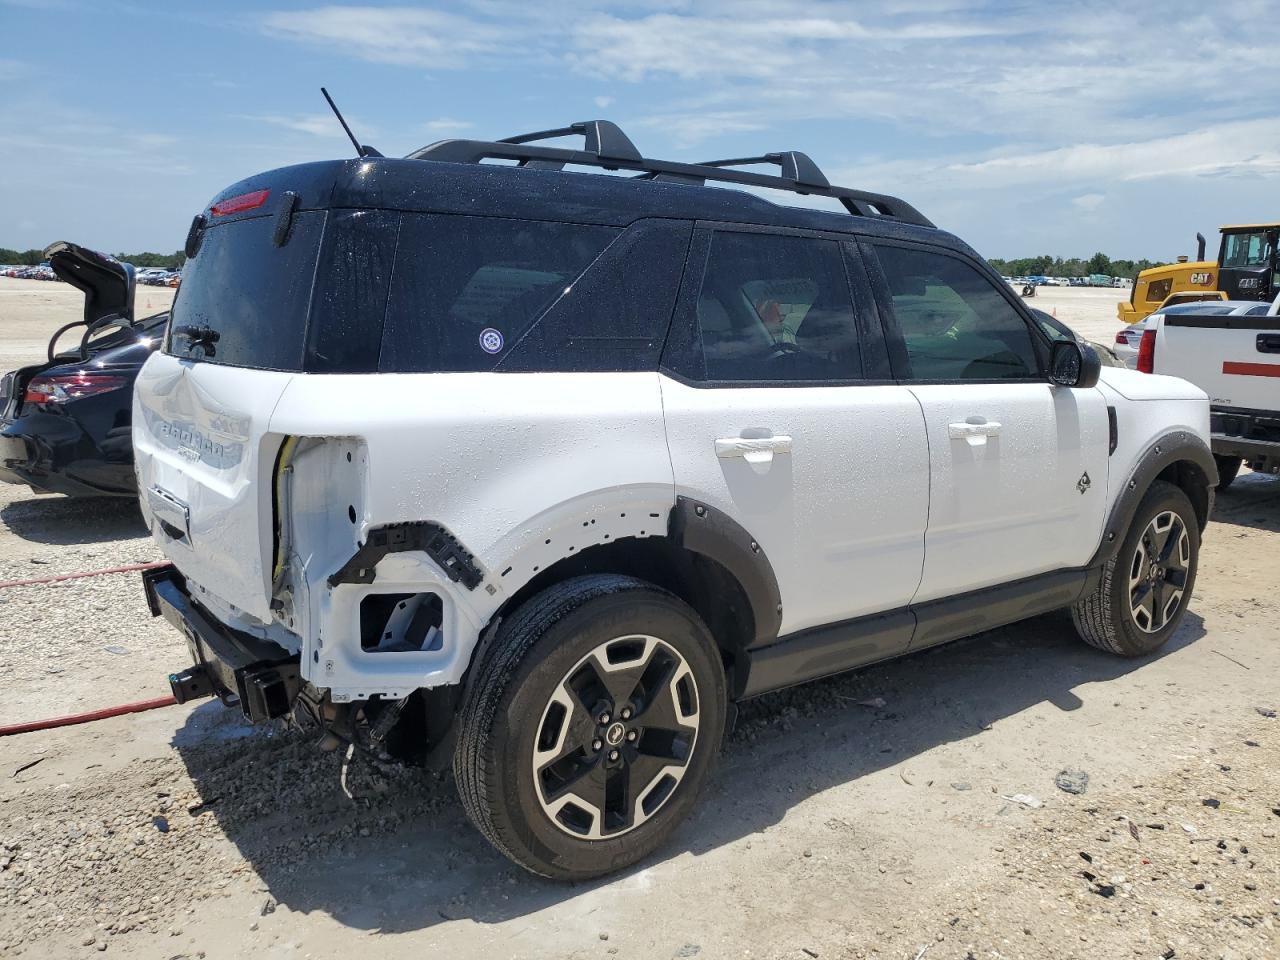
x=430, y=538
x=259, y=676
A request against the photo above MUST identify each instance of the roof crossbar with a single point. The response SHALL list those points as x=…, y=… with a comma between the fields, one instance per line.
x=606, y=146
x=796, y=166
x=600, y=137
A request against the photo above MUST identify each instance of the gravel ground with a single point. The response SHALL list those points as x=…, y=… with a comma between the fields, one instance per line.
x=77, y=644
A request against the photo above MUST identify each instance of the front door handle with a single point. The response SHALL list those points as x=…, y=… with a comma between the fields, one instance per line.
x=752, y=449
x=974, y=433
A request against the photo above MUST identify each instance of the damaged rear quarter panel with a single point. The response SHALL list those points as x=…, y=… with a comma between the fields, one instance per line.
x=523, y=469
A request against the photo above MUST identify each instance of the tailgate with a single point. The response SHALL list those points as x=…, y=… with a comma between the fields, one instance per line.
x=204, y=461
x=201, y=407
x=1234, y=359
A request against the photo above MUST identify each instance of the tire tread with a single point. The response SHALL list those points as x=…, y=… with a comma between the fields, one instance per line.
x=1092, y=614
x=473, y=757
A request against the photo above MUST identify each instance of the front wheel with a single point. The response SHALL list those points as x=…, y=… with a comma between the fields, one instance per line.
x=591, y=726
x=1145, y=588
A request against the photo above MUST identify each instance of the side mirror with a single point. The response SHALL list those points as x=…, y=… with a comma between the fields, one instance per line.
x=1074, y=364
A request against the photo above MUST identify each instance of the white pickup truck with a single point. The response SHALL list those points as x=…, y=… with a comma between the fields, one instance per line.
x=1235, y=359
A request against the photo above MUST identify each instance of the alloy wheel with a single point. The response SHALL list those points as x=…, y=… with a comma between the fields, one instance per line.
x=616, y=737
x=1158, y=572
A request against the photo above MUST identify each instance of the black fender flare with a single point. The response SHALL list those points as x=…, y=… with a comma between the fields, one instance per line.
x=704, y=530
x=1173, y=447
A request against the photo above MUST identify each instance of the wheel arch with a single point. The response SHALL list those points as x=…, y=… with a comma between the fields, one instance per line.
x=1179, y=457
x=706, y=559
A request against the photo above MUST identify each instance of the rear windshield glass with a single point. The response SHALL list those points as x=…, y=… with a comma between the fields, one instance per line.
x=243, y=300
x=467, y=288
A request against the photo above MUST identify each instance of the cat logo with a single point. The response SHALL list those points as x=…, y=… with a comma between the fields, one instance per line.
x=1204, y=278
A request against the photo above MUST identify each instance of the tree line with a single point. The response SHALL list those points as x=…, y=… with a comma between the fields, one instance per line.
x=29, y=258
x=1047, y=266
x=1042, y=266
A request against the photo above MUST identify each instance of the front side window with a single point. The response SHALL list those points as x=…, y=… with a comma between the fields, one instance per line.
x=776, y=308
x=956, y=324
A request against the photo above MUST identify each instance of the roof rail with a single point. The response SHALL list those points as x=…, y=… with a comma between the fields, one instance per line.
x=606, y=146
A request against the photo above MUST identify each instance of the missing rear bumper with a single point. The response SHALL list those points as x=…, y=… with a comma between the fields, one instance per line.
x=260, y=677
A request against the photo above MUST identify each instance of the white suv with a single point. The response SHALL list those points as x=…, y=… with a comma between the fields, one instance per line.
x=542, y=471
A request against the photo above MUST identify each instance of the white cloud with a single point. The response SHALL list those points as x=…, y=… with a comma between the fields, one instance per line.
x=447, y=125
x=1230, y=149
x=402, y=35
x=316, y=124
x=690, y=129
x=1088, y=202
x=603, y=102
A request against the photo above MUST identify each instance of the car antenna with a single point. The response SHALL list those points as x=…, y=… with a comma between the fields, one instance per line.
x=362, y=150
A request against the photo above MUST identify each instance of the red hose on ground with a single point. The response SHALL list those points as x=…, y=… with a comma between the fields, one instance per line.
x=128, y=568
x=91, y=715
x=88, y=717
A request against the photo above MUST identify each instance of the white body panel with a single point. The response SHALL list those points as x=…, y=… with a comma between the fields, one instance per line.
x=1225, y=363
x=203, y=454
x=1006, y=461
x=1147, y=408
x=524, y=469
x=528, y=469
x=839, y=507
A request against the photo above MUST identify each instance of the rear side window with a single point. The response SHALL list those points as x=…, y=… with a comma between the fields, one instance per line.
x=244, y=301
x=776, y=309
x=466, y=289
x=955, y=323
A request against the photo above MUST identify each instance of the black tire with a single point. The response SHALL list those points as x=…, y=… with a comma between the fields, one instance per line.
x=536, y=656
x=1228, y=467
x=1106, y=617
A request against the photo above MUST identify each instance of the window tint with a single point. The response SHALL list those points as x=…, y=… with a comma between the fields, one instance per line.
x=956, y=324
x=466, y=289
x=350, y=297
x=776, y=308
x=615, y=316
x=253, y=295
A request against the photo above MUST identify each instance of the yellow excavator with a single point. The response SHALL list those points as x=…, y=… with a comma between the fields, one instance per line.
x=1246, y=269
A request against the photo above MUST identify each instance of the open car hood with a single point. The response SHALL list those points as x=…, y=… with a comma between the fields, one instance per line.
x=107, y=283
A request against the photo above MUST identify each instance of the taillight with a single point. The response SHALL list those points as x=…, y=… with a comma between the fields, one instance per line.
x=1147, y=352
x=245, y=201
x=59, y=388
x=1122, y=336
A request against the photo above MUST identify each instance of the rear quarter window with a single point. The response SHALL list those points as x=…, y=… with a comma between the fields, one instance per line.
x=465, y=290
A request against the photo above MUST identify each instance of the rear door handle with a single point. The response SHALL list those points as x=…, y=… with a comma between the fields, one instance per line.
x=752, y=449
x=974, y=433
x=1268, y=343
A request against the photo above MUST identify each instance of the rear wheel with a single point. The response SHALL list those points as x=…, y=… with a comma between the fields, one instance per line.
x=1145, y=588
x=1228, y=467
x=591, y=726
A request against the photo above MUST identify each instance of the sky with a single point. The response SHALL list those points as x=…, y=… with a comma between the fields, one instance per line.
x=1060, y=128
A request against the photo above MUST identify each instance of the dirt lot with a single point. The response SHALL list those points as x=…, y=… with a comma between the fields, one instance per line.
x=865, y=816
